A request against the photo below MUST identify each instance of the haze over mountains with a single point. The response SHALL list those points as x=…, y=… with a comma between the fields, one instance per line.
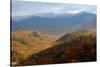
x=56, y=23
x=50, y=33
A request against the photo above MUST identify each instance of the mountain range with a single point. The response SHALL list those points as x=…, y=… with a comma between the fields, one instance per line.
x=56, y=23
x=53, y=38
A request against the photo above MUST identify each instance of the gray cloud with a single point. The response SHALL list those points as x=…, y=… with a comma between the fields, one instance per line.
x=28, y=8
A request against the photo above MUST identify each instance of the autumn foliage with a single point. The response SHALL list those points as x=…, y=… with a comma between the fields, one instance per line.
x=78, y=49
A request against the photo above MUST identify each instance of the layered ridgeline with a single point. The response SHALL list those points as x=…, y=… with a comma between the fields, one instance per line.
x=56, y=23
x=32, y=47
x=25, y=43
x=71, y=47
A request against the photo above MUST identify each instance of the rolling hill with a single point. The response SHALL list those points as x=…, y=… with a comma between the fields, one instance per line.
x=81, y=48
x=25, y=43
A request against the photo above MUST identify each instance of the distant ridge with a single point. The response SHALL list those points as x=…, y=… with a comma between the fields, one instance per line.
x=57, y=24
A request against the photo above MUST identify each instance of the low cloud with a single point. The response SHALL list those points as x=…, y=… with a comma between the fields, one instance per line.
x=28, y=8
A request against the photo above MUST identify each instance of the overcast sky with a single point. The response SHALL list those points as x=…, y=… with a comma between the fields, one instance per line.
x=27, y=8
